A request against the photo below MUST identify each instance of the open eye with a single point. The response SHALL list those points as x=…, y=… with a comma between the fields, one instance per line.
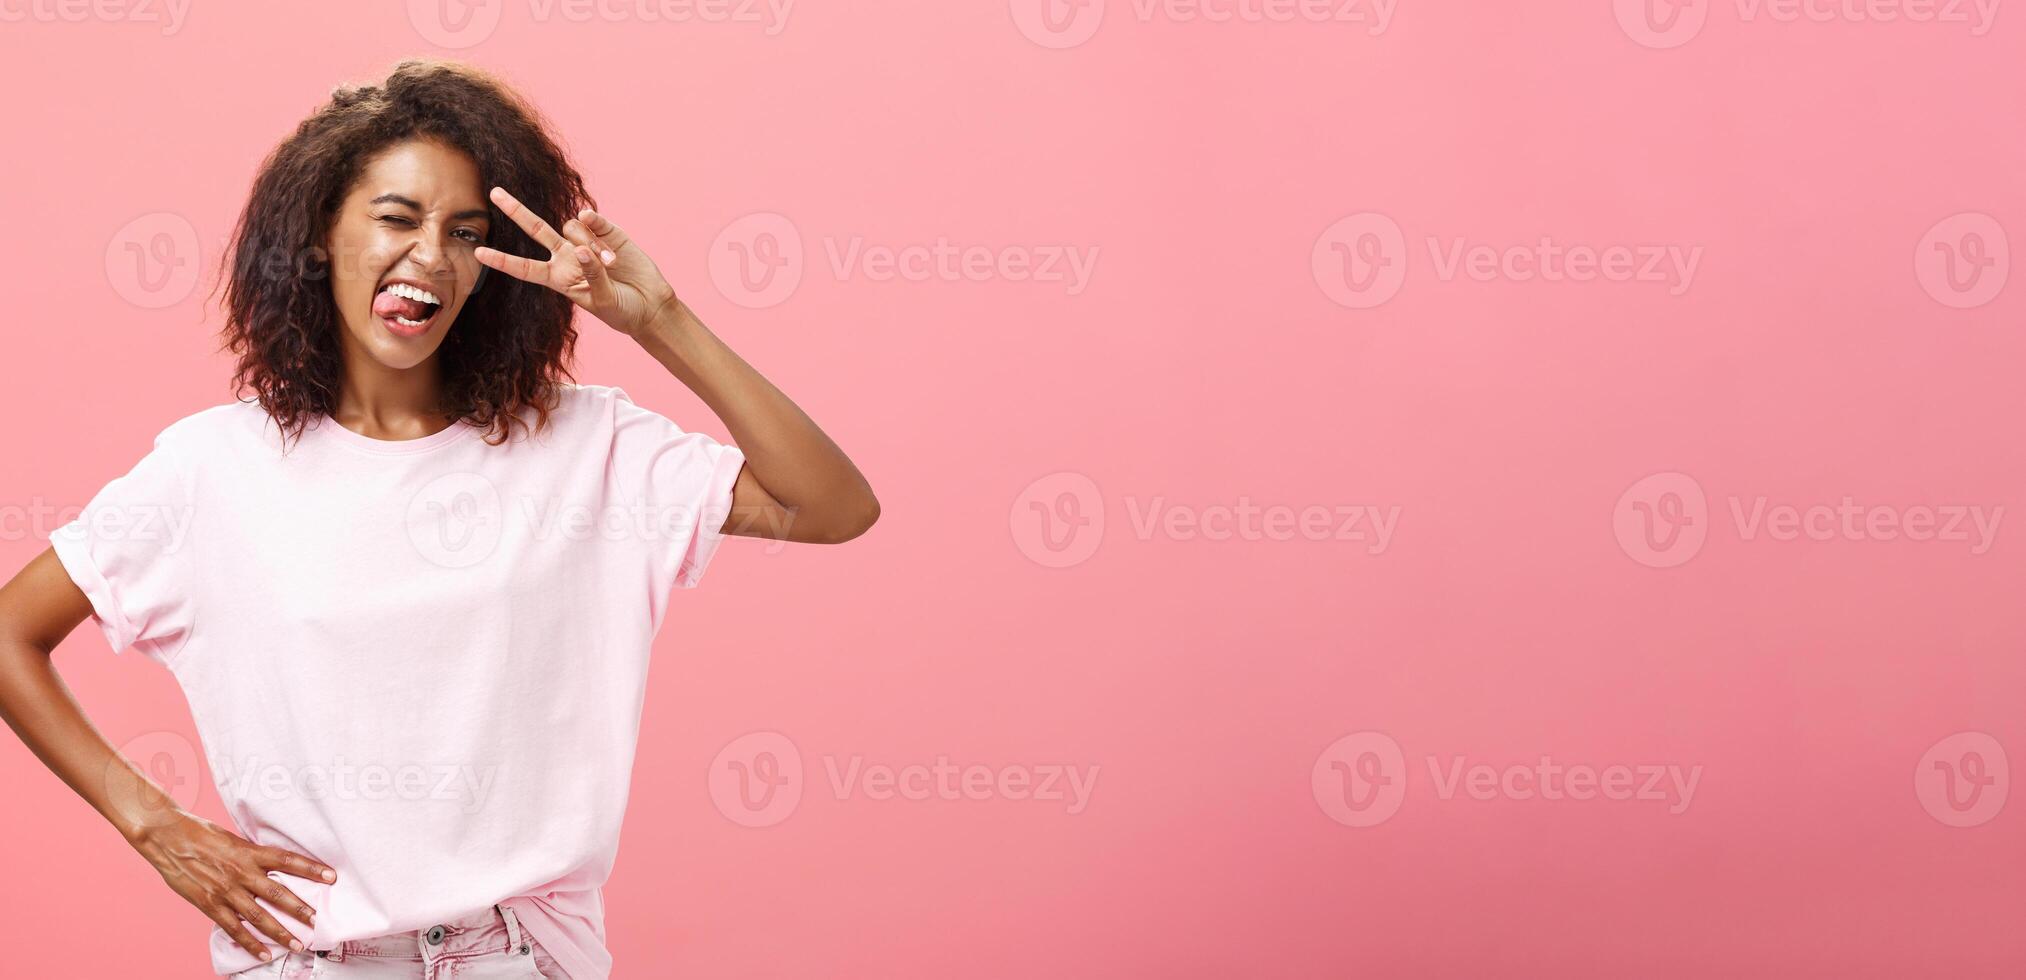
x=470, y=235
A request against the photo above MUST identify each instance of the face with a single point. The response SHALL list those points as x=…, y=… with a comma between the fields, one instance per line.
x=401, y=250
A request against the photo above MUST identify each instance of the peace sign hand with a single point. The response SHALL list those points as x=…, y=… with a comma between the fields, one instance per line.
x=592, y=262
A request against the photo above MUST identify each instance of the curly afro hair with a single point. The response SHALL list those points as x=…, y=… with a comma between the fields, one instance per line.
x=514, y=341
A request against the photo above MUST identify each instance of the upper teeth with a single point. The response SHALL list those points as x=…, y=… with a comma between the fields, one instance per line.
x=406, y=291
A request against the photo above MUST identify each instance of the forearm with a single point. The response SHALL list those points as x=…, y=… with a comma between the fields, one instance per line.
x=39, y=707
x=786, y=452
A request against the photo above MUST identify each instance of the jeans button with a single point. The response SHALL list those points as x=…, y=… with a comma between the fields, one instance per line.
x=435, y=935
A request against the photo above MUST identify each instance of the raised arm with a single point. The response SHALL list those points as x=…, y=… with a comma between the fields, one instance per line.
x=797, y=485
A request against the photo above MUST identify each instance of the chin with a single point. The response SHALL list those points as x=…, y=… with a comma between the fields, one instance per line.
x=400, y=350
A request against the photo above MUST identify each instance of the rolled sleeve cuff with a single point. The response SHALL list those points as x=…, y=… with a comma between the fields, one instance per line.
x=715, y=514
x=72, y=549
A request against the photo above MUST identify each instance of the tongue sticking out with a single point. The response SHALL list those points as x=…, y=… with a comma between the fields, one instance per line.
x=388, y=304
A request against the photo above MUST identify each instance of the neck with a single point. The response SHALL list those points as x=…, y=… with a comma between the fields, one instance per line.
x=390, y=403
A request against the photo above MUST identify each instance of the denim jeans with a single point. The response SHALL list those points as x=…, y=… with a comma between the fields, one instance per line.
x=489, y=945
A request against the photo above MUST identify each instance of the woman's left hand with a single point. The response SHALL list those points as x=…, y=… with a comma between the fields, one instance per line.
x=591, y=261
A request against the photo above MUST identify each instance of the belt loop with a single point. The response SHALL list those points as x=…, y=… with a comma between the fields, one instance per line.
x=515, y=943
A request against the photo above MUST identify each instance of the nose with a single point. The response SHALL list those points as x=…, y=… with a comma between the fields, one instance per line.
x=431, y=265
x=432, y=253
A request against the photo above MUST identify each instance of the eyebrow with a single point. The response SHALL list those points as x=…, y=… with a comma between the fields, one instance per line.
x=411, y=205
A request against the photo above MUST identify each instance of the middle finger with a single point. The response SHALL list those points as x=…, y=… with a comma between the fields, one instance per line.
x=257, y=917
x=279, y=896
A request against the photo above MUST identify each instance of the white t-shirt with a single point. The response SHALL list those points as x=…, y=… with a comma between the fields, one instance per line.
x=421, y=662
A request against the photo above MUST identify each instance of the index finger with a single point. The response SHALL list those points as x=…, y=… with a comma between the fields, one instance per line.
x=529, y=221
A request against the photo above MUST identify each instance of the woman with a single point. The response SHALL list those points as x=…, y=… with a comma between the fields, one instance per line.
x=410, y=586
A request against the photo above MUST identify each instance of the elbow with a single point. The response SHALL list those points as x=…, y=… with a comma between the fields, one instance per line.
x=861, y=519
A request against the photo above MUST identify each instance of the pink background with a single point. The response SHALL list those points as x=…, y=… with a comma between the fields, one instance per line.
x=1527, y=603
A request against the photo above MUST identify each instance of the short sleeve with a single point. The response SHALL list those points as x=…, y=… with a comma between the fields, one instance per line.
x=128, y=551
x=683, y=482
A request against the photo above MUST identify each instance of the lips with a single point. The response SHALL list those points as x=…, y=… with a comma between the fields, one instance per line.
x=406, y=308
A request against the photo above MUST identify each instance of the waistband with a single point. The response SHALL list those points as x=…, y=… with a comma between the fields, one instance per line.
x=495, y=930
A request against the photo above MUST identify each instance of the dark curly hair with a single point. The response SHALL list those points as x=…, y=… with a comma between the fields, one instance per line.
x=512, y=346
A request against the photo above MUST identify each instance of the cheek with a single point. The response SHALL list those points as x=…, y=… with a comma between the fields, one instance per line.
x=468, y=271
x=358, y=259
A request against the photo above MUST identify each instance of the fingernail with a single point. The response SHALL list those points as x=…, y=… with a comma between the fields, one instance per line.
x=330, y=875
x=608, y=255
x=265, y=955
